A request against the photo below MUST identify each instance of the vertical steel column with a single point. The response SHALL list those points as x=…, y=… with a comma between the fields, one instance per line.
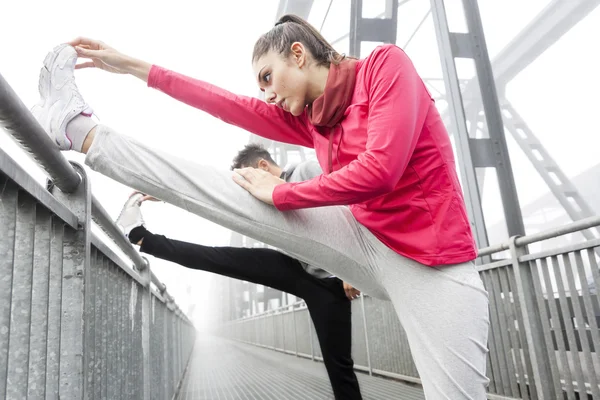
x=372, y=29
x=493, y=116
x=76, y=296
x=466, y=163
x=473, y=152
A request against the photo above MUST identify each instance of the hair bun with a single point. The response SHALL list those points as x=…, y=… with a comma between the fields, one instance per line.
x=289, y=18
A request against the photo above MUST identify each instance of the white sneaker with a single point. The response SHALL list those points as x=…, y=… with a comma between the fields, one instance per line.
x=60, y=100
x=131, y=215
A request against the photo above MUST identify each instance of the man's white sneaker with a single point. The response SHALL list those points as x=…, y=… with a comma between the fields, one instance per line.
x=131, y=215
x=60, y=100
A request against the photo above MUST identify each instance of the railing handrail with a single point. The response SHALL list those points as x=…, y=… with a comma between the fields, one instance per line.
x=576, y=226
x=16, y=118
x=277, y=310
x=20, y=123
x=162, y=288
x=551, y=233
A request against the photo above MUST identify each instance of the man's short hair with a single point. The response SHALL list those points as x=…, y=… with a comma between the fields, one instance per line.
x=250, y=155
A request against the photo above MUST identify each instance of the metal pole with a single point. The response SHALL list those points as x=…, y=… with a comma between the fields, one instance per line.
x=76, y=301
x=162, y=288
x=295, y=331
x=310, y=334
x=282, y=330
x=273, y=324
x=16, y=118
x=493, y=116
x=364, y=318
x=459, y=124
x=532, y=326
x=576, y=226
x=146, y=328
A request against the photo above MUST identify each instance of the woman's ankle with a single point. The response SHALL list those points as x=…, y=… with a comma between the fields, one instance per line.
x=78, y=130
x=89, y=139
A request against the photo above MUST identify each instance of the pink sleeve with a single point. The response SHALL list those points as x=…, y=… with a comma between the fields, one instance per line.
x=248, y=113
x=398, y=106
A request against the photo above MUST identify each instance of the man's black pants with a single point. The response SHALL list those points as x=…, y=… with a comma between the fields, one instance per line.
x=326, y=300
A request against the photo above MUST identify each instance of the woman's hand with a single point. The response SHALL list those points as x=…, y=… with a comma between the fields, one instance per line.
x=104, y=57
x=258, y=182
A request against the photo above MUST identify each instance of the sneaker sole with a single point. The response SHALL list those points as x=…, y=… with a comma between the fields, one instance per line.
x=133, y=200
x=51, y=57
x=49, y=60
x=44, y=91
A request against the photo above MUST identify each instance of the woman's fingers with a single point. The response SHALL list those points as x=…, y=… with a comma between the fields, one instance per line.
x=83, y=41
x=88, y=53
x=259, y=183
x=248, y=173
x=242, y=181
x=87, y=64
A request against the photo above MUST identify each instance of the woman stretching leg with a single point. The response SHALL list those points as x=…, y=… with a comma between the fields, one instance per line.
x=405, y=235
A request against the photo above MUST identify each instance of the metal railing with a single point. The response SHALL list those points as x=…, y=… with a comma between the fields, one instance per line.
x=76, y=320
x=544, y=339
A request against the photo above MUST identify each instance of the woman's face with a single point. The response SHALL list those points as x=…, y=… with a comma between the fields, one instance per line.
x=284, y=80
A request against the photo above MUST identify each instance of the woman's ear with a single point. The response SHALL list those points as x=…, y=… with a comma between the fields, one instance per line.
x=298, y=54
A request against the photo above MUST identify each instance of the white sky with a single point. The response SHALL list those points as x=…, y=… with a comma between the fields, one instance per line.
x=213, y=41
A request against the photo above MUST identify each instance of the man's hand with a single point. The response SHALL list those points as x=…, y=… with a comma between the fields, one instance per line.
x=145, y=198
x=351, y=292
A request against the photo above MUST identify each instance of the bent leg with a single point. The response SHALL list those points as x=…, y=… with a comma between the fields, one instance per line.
x=444, y=312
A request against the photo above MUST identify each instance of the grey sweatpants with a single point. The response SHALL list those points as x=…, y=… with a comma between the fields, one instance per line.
x=444, y=311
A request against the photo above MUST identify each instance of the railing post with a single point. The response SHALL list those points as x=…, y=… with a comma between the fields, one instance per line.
x=295, y=332
x=364, y=318
x=531, y=323
x=310, y=334
x=76, y=303
x=170, y=310
x=146, y=299
x=256, y=330
x=282, y=331
x=165, y=344
x=274, y=336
